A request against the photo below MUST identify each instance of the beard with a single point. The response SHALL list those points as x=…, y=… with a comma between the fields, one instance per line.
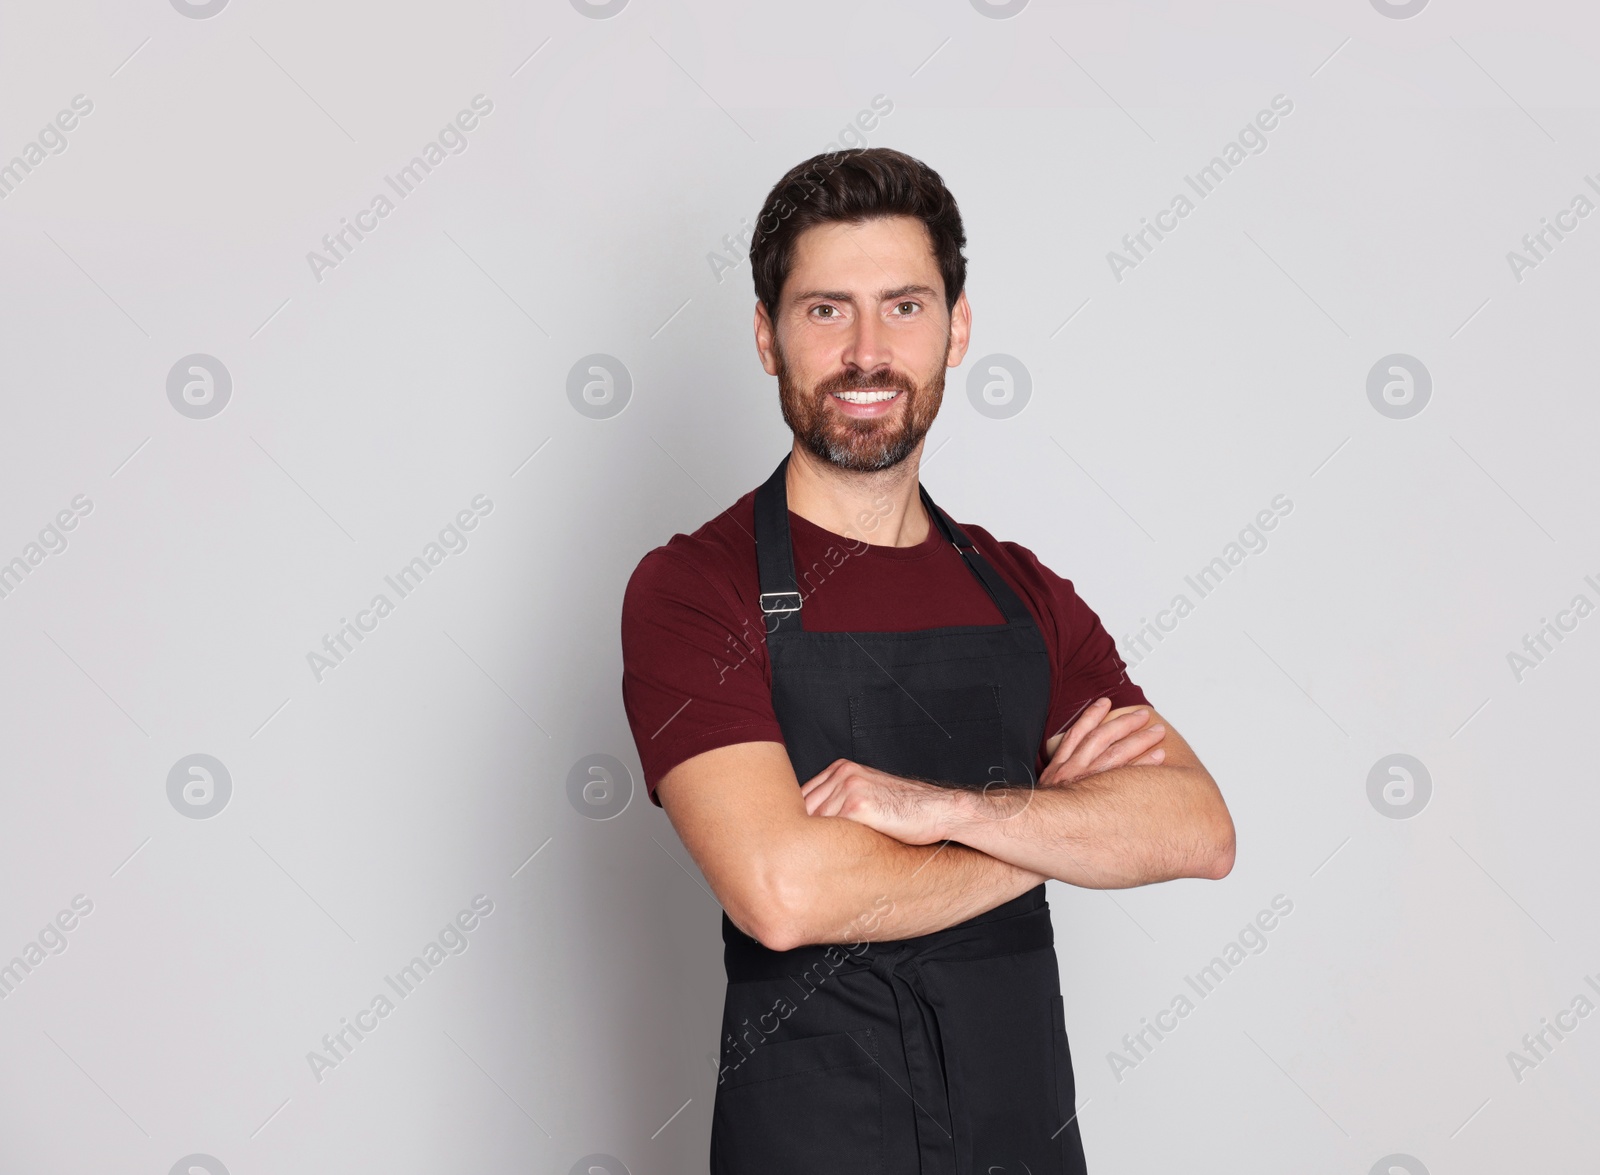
x=859, y=446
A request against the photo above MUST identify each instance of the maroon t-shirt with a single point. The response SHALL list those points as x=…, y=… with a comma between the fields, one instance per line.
x=695, y=674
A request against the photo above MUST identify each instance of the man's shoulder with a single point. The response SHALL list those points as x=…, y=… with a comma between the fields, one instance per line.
x=1052, y=597
x=1086, y=655
x=1015, y=561
x=716, y=555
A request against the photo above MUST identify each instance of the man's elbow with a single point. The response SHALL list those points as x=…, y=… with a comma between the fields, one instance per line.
x=770, y=925
x=1221, y=845
x=773, y=933
x=773, y=912
x=779, y=935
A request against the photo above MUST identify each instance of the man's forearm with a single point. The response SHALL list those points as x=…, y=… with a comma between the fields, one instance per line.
x=1129, y=826
x=845, y=882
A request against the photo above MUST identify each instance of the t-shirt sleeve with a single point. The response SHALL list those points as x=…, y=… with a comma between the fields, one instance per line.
x=1088, y=670
x=1086, y=662
x=694, y=673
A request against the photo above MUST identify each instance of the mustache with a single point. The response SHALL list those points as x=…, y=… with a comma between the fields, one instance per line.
x=857, y=380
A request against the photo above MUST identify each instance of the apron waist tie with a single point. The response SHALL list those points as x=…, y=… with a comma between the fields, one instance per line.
x=919, y=1027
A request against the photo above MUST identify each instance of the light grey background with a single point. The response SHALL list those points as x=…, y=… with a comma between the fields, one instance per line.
x=431, y=366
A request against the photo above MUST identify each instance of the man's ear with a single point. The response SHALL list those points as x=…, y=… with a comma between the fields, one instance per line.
x=765, y=336
x=960, y=331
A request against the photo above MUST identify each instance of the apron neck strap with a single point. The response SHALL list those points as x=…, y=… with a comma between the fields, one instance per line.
x=780, y=591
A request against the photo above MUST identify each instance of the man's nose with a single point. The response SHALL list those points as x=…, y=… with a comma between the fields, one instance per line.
x=869, y=345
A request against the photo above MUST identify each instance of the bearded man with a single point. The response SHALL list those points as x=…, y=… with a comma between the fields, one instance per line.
x=879, y=733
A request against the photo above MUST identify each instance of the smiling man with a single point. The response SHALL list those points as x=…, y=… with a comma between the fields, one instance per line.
x=879, y=733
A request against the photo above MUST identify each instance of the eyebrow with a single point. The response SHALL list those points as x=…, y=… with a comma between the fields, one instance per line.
x=883, y=296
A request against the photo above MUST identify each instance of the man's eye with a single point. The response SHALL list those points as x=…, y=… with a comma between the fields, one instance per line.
x=823, y=311
x=908, y=307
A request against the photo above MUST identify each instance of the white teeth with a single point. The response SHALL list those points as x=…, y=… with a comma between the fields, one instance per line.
x=866, y=397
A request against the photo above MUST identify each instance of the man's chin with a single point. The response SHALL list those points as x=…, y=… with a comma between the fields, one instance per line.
x=854, y=454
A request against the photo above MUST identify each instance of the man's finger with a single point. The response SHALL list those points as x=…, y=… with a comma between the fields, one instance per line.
x=834, y=803
x=1091, y=717
x=1096, y=741
x=817, y=800
x=819, y=793
x=1126, y=750
x=824, y=775
x=1131, y=745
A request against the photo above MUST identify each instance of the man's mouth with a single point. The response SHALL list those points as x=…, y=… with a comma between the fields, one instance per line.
x=866, y=404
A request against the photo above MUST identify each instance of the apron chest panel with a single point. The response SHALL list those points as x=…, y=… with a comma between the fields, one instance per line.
x=947, y=736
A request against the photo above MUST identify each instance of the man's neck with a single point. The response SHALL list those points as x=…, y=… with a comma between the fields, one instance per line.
x=881, y=507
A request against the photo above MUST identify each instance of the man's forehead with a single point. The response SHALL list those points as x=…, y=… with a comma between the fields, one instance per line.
x=883, y=257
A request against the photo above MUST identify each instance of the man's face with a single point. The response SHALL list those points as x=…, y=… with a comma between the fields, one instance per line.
x=861, y=341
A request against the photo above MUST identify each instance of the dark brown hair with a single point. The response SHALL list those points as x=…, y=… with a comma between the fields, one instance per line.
x=855, y=186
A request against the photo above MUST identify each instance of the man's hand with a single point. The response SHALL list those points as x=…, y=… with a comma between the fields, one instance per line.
x=1102, y=739
x=918, y=813
x=909, y=810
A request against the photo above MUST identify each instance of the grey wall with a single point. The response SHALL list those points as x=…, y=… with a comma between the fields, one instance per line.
x=368, y=802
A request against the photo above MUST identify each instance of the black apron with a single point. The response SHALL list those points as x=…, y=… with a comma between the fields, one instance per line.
x=944, y=1054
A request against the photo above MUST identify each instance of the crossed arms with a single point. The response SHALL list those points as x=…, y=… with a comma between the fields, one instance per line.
x=858, y=854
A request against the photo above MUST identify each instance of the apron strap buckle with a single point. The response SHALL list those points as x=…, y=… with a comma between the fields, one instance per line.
x=778, y=609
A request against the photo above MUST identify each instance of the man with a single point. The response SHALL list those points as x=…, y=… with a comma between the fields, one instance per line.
x=879, y=733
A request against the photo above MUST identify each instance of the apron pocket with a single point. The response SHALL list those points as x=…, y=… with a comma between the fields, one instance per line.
x=800, y=1107
x=948, y=736
x=1066, y=1088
